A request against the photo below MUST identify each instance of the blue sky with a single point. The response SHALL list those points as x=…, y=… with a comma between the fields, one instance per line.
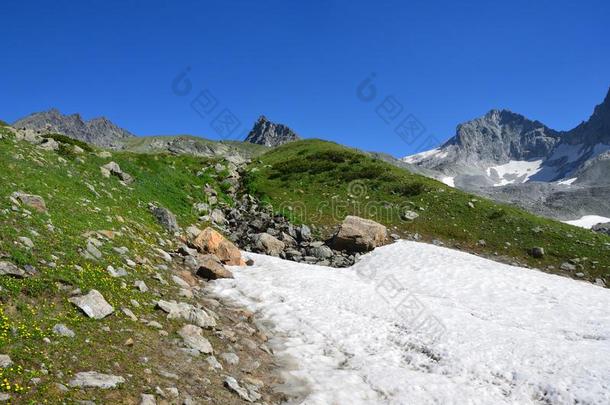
x=434, y=65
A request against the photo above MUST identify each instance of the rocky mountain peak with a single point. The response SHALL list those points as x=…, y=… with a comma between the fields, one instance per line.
x=265, y=132
x=98, y=131
x=502, y=135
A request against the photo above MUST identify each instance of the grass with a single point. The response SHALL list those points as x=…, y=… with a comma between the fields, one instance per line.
x=80, y=202
x=319, y=183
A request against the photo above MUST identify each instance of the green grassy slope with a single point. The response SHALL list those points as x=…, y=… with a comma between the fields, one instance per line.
x=320, y=182
x=80, y=202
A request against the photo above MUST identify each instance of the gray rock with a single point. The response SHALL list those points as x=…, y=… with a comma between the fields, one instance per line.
x=187, y=312
x=602, y=228
x=9, y=269
x=322, y=252
x=166, y=218
x=269, y=244
x=5, y=361
x=567, y=266
x=211, y=268
x=140, y=285
x=409, y=215
x=192, y=337
x=93, y=304
x=230, y=358
x=148, y=399
x=214, y=363
x=93, y=379
x=359, y=235
x=33, y=201
x=232, y=385
x=62, y=330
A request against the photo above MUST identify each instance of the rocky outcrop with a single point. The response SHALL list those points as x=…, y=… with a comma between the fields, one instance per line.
x=359, y=235
x=32, y=201
x=268, y=133
x=97, y=131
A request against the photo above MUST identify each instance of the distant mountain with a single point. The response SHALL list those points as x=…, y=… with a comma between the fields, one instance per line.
x=495, y=155
x=268, y=133
x=98, y=131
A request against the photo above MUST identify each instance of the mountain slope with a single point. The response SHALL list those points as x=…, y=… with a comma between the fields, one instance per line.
x=319, y=183
x=268, y=133
x=97, y=131
x=506, y=149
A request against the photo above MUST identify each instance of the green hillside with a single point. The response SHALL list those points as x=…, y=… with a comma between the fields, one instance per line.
x=319, y=182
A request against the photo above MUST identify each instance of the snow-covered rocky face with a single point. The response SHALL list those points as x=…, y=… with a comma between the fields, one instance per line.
x=413, y=323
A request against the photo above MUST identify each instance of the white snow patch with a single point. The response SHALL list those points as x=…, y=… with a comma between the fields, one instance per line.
x=515, y=171
x=350, y=336
x=568, y=181
x=587, y=221
x=437, y=153
x=448, y=180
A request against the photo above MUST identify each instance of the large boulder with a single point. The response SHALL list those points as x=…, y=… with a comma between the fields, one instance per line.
x=212, y=242
x=357, y=234
x=269, y=244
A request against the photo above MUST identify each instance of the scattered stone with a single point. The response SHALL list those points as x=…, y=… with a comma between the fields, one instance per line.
x=119, y=272
x=9, y=269
x=567, y=266
x=93, y=379
x=537, y=252
x=211, y=268
x=62, y=330
x=188, y=312
x=5, y=361
x=409, y=215
x=93, y=304
x=114, y=169
x=230, y=358
x=148, y=399
x=214, y=363
x=25, y=241
x=31, y=200
x=359, y=235
x=141, y=285
x=128, y=312
x=180, y=282
x=191, y=334
x=247, y=395
x=269, y=244
x=165, y=218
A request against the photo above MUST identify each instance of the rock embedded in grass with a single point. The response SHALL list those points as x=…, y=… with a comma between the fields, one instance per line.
x=31, y=200
x=9, y=269
x=93, y=379
x=93, y=304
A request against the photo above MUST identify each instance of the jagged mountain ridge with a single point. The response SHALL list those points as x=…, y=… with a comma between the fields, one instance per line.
x=493, y=155
x=269, y=133
x=97, y=131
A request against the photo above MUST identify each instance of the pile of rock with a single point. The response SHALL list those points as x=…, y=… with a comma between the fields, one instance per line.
x=255, y=229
